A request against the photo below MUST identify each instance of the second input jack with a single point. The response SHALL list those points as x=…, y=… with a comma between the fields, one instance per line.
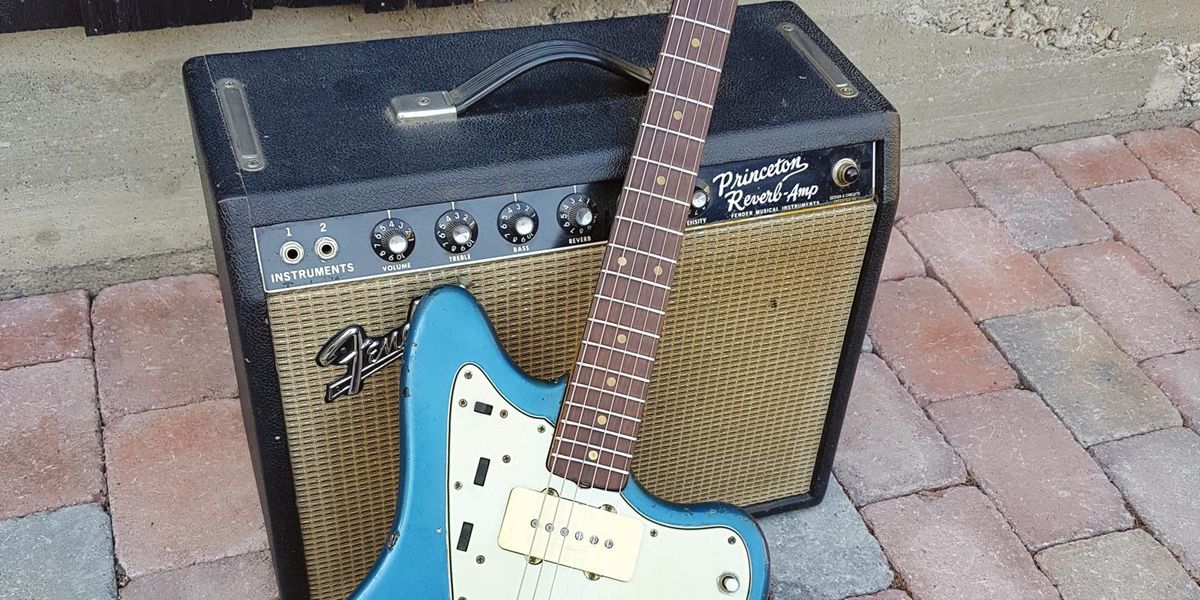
x=326, y=248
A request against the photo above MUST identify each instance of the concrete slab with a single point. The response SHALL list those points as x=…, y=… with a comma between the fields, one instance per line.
x=824, y=552
x=63, y=555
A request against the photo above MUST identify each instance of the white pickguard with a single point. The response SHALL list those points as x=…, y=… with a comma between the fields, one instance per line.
x=683, y=564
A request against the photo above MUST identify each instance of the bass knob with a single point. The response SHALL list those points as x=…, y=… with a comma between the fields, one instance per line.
x=517, y=222
x=456, y=231
x=578, y=214
x=393, y=240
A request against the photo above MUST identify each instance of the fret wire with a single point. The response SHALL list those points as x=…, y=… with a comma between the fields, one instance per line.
x=609, y=392
x=600, y=448
x=701, y=23
x=637, y=279
x=588, y=463
x=570, y=423
x=607, y=412
x=630, y=304
x=625, y=327
x=665, y=165
x=652, y=225
x=658, y=196
x=722, y=17
x=684, y=98
x=673, y=132
x=630, y=353
x=643, y=252
x=692, y=62
x=588, y=365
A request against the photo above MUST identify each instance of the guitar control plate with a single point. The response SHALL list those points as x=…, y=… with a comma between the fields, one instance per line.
x=546, y=527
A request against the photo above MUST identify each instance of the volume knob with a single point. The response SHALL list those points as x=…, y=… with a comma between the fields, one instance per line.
x=456, y=231
x=578, y=214
x=393, y=240
x=517, y=222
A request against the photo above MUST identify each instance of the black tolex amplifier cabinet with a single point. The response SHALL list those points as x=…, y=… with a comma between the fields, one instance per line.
x=331, y=172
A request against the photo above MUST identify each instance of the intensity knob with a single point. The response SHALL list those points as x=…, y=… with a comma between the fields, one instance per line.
x=578, y=214
x=456, y=231
x=517, y=222
x=393, y=240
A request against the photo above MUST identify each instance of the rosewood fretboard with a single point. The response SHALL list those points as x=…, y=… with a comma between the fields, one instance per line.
x=598, y=425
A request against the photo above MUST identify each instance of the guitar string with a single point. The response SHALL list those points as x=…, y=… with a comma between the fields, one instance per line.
x=696, y=116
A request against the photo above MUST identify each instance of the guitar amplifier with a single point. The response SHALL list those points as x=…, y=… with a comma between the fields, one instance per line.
x=345, y=181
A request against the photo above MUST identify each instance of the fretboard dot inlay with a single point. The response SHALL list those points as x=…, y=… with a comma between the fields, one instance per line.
x=622, y=261
x=612, y=382
x=695, y=42
x=593, y=455
x=678, y=115
x=658, y=270
x=622, y=338
x=661, y=180
x=601, y=420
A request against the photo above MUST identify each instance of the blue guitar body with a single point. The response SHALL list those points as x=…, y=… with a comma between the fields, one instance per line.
x=475, y=435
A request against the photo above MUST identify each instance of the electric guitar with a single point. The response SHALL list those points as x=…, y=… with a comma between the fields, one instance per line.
x=519, y=489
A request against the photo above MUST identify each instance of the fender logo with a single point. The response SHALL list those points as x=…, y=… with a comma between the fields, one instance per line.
x=361, y=355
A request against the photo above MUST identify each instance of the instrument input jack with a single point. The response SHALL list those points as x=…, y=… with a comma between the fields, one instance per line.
x=291, y=252
x=326, y=248
x=846, y=172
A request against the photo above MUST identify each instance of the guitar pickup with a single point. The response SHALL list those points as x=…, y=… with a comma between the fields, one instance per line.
x=590, y=539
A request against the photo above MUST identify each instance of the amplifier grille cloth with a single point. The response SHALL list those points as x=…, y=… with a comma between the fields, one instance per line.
x=753, y=339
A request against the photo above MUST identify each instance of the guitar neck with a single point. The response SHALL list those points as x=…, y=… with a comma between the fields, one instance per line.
x=598, y=425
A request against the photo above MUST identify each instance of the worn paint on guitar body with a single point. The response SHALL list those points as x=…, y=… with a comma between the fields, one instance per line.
x=452, y=355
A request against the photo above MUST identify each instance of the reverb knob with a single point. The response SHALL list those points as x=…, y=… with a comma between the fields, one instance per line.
x=456, y=231
x=517, y=222
x=393, y=240
x=578, y=214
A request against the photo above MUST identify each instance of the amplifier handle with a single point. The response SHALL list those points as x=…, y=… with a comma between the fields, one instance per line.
x=447, y=106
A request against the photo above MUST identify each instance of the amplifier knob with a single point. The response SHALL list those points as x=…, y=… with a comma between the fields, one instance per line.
x=518, y=223
x=393, y=240
x=700, y=200
x=578, y=214
x=456, y=231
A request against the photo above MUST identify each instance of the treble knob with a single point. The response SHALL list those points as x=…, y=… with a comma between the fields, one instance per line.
x=578, y=214
x=456, y=231
x=517, y=222
x=393, y=240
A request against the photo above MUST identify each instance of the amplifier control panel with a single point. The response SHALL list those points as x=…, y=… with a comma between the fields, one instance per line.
x=379, y=244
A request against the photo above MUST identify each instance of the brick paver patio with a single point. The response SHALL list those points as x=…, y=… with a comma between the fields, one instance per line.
x=1026, y=426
